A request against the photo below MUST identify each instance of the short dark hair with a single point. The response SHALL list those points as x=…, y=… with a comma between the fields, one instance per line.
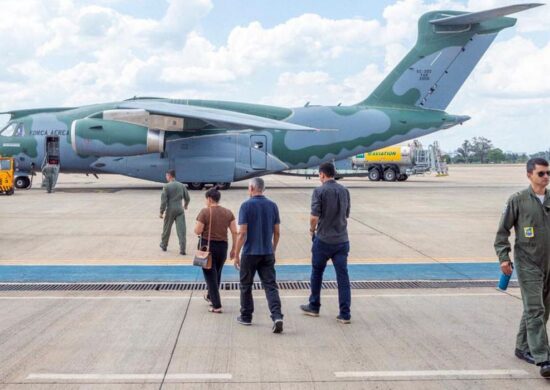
x=171, y=172
x=328, y=169
x=535, y=161
x=214, y=194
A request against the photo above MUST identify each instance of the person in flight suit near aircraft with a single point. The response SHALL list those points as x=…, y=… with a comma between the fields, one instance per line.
x=173, y=193
x=528, y=212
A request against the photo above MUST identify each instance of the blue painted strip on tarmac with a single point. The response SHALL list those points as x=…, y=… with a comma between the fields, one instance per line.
x=187, y=273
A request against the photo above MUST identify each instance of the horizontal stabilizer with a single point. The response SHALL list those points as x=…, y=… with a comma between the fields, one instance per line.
x=482, y=16
x=216, y=117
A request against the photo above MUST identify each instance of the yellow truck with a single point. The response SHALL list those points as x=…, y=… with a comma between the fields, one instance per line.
x=7, y=170
x=399, y=162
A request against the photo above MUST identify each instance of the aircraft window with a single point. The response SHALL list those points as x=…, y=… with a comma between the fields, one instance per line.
x=19, y=132
x=8, y=130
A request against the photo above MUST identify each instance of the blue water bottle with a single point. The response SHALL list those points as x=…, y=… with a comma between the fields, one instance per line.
x=504, y=280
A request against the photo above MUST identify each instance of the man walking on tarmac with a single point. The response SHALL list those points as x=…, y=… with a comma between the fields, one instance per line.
x=528, y=212
x=49, y=173
x=330, y=209
x=170, y=202
x=258, y=237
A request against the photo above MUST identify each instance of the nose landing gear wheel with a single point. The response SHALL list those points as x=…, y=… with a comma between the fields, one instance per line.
x=22, y=182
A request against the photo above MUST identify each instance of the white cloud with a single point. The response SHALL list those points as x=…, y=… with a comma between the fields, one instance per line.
x=66, y=52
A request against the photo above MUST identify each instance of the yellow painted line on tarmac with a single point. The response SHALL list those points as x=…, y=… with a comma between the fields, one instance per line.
x=187, y=260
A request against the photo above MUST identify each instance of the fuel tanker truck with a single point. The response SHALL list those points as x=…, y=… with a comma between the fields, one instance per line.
x=395, y=162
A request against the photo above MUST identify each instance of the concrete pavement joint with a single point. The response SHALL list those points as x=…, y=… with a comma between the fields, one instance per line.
x=408, y=246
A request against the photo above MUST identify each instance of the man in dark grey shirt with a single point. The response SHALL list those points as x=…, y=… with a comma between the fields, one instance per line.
x=330, y=208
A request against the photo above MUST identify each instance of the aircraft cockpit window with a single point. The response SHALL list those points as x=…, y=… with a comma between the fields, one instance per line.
x=19, y=131
x=9, y=130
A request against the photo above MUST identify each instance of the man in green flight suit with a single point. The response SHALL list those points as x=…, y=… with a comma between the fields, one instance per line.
x=528, y=212
x=172, y=195
x=49, y=172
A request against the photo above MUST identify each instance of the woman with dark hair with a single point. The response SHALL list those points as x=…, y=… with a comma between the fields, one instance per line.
x=213, y=221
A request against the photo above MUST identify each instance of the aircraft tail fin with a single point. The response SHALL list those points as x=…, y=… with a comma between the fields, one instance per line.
x=448, y=47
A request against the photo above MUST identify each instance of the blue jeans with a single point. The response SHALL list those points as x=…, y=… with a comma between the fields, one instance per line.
x=321, y=253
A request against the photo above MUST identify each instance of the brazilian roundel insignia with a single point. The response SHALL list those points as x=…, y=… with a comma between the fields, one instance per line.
x=529, y=232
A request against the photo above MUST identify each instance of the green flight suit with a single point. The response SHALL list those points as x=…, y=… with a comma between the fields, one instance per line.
x=531, y=222
x=173, y=193
x=49, y=172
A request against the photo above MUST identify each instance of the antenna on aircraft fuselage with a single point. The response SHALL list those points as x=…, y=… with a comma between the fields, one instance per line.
x=306, y=105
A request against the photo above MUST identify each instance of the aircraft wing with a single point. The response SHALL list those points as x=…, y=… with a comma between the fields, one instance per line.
x=216, y=117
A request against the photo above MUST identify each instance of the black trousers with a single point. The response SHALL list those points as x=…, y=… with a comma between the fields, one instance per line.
x=265, y=266
x=213, y=276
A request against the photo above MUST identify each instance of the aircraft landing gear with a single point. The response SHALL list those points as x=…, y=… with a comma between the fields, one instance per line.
x=22, y=182
x=223, y=186
x=195, y=186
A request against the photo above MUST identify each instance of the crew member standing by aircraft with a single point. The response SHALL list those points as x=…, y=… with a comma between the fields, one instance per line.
x=330, y=208
x=528, y=212
x=49, y=173
x=259, y=234
x=173, y=194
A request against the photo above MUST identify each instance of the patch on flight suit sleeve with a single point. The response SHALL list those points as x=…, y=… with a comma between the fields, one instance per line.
x=529, y=232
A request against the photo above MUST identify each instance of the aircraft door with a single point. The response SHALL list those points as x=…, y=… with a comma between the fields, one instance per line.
x=52, y=150
x=258, y=151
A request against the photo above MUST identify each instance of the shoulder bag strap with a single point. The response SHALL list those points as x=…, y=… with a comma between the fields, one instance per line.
x=209, y=229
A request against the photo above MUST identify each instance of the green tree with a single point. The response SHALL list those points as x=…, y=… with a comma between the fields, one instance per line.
x=464, y=153
x=480, y=148
x=496, y=156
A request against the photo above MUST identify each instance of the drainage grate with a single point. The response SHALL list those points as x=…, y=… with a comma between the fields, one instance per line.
x=231, y=286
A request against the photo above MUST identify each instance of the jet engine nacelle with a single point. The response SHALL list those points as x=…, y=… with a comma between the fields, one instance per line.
x=100, y=137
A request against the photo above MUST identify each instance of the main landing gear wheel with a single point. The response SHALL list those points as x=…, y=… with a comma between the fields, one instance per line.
x=22, y=182
x=374, y=174
x=195, y=186
x=390, y=175
x=223, y=186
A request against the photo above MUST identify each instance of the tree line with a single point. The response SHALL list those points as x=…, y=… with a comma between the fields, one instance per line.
x=480, y=150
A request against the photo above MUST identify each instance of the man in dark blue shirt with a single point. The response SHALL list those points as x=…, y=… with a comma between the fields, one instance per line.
x=330, y=209
x=259, y=234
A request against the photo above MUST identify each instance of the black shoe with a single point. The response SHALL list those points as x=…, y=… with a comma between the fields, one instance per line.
x=309, y=311
x=545, y=369
x=278, y=326
x=525, y=356
x=242, y=321
x=162, y=247
x=182, y=253
x=343, y=320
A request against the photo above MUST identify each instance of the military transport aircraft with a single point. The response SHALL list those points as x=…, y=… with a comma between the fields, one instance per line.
x=222, y=142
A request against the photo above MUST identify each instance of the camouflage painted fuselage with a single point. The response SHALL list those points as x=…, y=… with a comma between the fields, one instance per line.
x=224, y=155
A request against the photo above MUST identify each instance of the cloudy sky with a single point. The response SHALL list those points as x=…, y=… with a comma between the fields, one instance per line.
x=286, y=52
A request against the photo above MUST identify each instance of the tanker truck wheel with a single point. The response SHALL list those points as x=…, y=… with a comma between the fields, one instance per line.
x=402, y=177
x=390, y=175
x=374, y=174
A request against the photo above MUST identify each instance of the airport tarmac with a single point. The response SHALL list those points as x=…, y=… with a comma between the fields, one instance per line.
x=459, y=338
x=114, y=220
x=407, y=339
